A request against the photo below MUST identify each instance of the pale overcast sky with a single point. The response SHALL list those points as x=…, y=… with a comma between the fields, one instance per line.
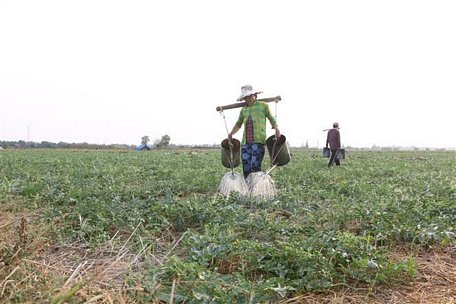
x=104, y=71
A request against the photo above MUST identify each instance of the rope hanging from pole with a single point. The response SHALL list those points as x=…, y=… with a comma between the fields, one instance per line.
x=230, y=144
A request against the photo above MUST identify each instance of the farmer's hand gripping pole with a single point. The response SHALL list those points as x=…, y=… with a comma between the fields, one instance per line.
x=241, y=104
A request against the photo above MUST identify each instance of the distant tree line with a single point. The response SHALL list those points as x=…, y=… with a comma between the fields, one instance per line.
x=22, y=144
x=158, y=143
x=164, y=142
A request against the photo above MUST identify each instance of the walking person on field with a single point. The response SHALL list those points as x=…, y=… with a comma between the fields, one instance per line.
x=253, y=116
x=333, y=141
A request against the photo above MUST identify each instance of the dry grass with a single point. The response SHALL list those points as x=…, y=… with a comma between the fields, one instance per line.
x=33, y=269
x=435, y=284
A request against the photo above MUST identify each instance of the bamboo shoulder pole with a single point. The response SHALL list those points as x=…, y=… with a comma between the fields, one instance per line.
x=241, y=104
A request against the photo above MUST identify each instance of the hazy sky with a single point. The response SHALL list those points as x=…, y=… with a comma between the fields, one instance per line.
x=113, y=71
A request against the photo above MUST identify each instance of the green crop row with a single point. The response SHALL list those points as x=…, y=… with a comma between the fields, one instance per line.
x=326, y=227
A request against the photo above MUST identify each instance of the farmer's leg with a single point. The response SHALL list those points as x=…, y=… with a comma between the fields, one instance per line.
x=246, y=154
x=257, y=157
x=332, y=158
x=337, y=161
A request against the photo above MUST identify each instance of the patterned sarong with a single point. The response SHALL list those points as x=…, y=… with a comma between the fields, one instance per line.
x=252, y=157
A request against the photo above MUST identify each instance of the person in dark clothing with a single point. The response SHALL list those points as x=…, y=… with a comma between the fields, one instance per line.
x=333, y=141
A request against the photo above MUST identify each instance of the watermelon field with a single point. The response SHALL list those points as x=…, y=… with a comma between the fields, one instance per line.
x=94, y=226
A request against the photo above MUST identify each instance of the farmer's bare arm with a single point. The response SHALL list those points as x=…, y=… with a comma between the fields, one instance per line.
x=235, y=129
x=277, y=131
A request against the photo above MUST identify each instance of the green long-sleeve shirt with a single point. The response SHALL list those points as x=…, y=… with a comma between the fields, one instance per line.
x=259, y=112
